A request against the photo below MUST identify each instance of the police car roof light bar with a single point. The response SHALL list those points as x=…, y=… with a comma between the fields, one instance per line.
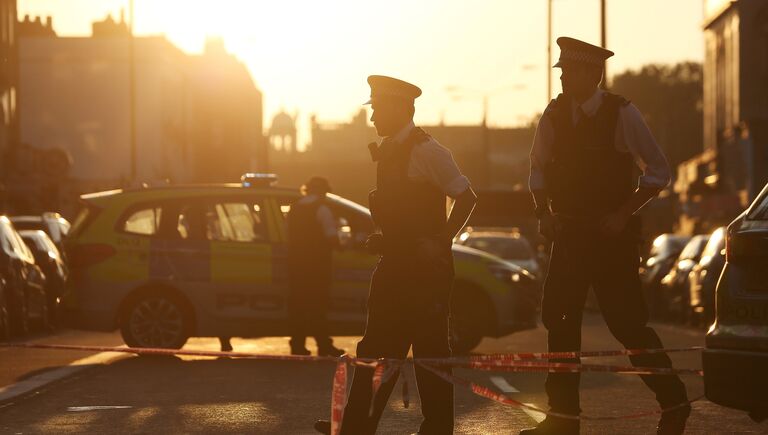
x=254, y=179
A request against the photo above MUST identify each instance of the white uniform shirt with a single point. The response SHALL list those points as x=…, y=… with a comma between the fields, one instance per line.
x=324, y=216
x=433, y=163
x=632, y=136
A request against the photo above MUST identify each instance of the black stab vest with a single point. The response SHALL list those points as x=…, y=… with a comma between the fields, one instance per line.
x=404, y=209
x=307, y=244
x=586, y=176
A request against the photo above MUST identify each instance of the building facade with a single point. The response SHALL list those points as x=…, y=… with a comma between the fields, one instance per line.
x=716, y=185
x=197, y=118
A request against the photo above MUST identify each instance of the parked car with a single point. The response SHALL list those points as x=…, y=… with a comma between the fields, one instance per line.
x=5, y=320
x=664, y=252
x=508, y=245
x=24, y=281
x=736, y=353
x=52, y=223
x=702, y=279
x=674, y=285
x=136, y=265
x=54, y=268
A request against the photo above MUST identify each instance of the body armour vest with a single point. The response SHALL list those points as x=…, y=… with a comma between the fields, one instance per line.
x=405, y=209
x=586, y=176
x=307, y=243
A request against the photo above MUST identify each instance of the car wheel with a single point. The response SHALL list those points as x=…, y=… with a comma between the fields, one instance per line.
x=157, y=321
x=5, y=321
x=470, y=317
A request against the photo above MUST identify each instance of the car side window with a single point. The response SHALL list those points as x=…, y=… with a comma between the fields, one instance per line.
x=230, y=221
x=144, y=222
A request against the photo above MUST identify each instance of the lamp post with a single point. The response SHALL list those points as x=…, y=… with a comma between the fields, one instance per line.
x=603, y=43
x=132, y=96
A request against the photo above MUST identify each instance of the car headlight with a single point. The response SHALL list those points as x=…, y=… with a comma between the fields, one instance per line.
x=507, y=274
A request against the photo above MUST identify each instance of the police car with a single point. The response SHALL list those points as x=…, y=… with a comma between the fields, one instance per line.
x=166, y=263
x=735, y=359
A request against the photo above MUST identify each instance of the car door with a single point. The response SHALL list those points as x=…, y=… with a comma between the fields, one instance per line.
x=241, y=264
x=353, y=265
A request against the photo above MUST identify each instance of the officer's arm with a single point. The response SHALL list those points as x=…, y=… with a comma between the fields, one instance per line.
x=462, y=208
x=540, y=152
x=639, y=141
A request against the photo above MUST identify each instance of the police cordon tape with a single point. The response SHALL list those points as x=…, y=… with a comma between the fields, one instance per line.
x=385, y=368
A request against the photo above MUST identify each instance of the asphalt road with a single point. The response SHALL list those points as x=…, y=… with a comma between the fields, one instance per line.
x=128, y=394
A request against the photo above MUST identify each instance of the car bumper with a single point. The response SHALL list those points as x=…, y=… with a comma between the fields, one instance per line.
x=736, y=379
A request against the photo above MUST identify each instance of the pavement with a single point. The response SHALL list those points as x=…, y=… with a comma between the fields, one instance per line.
x=135, y=395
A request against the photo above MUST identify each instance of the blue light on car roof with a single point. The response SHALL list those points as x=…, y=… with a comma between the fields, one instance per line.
x=253, y=179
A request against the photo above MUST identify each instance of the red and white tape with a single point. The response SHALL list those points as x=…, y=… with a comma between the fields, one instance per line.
x=384, y=368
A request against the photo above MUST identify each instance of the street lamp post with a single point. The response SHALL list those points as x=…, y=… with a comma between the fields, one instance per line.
x=132, y=96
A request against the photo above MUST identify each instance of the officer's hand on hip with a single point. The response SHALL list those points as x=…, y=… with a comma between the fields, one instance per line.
x=549, y=226
x=614, y=223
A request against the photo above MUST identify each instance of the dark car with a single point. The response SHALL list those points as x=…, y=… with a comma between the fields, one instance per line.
x=702, y=279
x=5, y=321
x=665, y=250
x=736, y=353
x=52, y=223
x=54, y=268
x=25, y=282
x=674, y=285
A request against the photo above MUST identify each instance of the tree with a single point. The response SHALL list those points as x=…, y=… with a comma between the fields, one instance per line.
x=670, y=98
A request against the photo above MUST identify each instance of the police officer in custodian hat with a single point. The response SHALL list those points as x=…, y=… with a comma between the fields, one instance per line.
x=410, y=288
x=585, y=152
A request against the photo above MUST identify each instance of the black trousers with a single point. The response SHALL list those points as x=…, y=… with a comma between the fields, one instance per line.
x=308, y=304
x=582, y=258
x=408, y=306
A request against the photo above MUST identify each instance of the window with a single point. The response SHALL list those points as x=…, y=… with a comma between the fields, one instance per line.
x=226, y=222
x=143, y=222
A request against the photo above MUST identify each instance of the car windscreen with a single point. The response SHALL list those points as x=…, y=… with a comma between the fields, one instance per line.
x=508, y=248
x=27, y=225
x=666, y=245
x=693, y=248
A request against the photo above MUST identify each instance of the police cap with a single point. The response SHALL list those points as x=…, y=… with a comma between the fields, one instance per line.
x=383, y=86
x=573, y=50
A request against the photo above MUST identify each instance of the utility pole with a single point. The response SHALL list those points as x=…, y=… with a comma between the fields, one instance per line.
x=603, y=43
x=132, y=95
x=549, y=51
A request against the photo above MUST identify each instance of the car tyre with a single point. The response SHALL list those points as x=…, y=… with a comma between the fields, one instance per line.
x=470, y=320
x=156, y=321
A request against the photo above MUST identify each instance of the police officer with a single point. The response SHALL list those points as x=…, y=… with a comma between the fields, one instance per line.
x=583, y=178
x=410, y=288
x=312, y=236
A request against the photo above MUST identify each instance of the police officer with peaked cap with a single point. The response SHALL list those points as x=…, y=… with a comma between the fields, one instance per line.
x=410, y=289
x=588, y=146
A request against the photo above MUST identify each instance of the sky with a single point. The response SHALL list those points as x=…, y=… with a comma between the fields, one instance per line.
x=313, y=57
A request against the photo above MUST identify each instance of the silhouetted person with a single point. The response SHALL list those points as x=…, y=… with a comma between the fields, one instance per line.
x=584, y=157
x=225, y=344
x=312, y=236
x=409, y=297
